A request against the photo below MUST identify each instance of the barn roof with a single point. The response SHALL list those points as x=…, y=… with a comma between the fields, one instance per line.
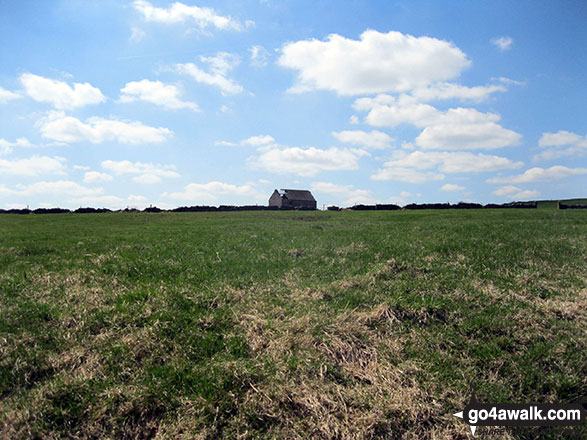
x=297, y=194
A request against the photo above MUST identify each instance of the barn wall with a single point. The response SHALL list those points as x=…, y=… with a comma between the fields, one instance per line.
x=303, y=204
x=275, y=200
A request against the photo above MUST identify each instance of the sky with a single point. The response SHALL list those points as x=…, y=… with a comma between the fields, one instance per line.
x=135, y=103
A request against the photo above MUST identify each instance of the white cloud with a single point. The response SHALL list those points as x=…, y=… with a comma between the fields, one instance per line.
x=147, y=179
x=261, y=140
x=374, y=139
x=403, y=174
x=213, y=191
x=454, y=91
x=467, y=129
x=451, y=162
x=155, y=92
x=348, y=194
x=7, y=95
x=365, y=104
x=354, y=119
x=377, y=63
x=513, y=192
x=219, y=66
x=451, y=187
x=410, y=167
x=560, y=144
x=502, y=43
x=33, y=166
x=180, y=13
x=307, y=161
x=62, y=128
x=562, y=138
x=226, y=144
x=98, y=201
x=455, y=129
x=555, y=153
x=387, y=111
x=540, y=175
x=145, y=173
x=60, y=94
x=259, y=56
x=136, y=198
x=67, y=193
x=7, y=146
x=95, y=176
x=58, y=188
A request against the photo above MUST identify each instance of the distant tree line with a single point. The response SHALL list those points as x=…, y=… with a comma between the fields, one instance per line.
x=562, y=205
x=460, y=205
x=226, y=208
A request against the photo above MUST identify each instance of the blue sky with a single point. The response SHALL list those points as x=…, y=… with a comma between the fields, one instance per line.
x=133, y=103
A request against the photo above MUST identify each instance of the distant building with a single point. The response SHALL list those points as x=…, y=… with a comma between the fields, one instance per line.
x=292, y=198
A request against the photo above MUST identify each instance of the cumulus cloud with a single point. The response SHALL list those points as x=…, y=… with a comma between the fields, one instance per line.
x=179, y=13
x=67, y=193
x=261, y=140
x=95, y=176
x=442, y=91
x=537, y=174
x=137, y=198
x=347, y=194
x=99, y=200
x=467, y=129
x=155, y=92
x=307, y=161
x=387, y=111
x=454, y=129
x=562, y=138
x=145, y=173
x=560, y=144
x=402, y=174
x=259, y=56
x=7, y=95
x=502, y=43
x=413, y=167
x=213, y=191
x=374, y=139
x=451, y=187
x=451, y=162
x=59, y=127
x=60, y=94
x=218, y=68
x=513, y=192
x=377, y=63
x=33, y=166
x=58, y=188
x=7, y=146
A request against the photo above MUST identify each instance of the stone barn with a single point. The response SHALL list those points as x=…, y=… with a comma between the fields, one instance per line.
x=292, y=198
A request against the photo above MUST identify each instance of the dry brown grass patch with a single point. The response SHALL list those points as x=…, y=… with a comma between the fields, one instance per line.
x=344, y=384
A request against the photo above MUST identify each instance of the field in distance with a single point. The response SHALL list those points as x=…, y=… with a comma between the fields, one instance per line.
x=328, y=325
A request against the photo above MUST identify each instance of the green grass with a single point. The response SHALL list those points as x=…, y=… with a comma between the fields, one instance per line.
x=288, y=324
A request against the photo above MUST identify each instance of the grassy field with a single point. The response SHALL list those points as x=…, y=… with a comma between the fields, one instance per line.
x=294, y=325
